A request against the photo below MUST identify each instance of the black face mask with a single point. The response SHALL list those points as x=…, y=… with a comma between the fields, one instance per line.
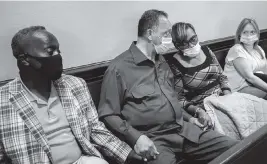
x=50, y=67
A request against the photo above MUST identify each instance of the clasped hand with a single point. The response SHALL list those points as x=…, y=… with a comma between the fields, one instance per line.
x=203, y=120
x=146, y=148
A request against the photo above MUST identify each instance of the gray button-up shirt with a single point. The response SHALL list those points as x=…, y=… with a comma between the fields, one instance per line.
x=139, y=96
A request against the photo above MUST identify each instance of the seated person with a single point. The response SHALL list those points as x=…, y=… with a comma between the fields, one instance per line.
x=244, y=59
x=47, y=117
x=197, y=73
x=139, y=104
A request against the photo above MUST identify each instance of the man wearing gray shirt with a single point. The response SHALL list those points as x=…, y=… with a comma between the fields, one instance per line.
x=138, y=102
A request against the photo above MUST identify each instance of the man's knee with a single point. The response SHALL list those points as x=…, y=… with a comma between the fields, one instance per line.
x=230, y=143
x=211, y=145
x=224, y=141
x=164, y=157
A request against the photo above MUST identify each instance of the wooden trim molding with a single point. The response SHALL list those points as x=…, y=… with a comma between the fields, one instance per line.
x=90, y=72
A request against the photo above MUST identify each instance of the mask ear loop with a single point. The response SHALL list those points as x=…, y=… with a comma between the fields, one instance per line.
x=32, y=62
x=149, y=38
x=22, y=59
x=177, y=47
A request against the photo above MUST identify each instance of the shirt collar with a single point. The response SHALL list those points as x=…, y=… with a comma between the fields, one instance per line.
x=139, y=56
x=32, y=97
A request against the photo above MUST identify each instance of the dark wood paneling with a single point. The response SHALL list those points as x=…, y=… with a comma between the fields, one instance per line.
x=90, y=72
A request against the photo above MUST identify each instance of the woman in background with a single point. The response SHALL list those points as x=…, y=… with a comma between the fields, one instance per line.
x=244, y=59
x=197, y=73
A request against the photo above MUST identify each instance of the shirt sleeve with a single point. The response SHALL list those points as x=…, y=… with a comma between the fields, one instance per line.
x=264, y=69
x=111, y=100
x=262, y=51
x=237, y=51
x=264, y=55
x=223, y=80
x=110, y=145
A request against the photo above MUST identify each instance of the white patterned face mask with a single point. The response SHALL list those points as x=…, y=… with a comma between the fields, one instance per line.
x=249, y=40
x=166, y=40
x=165, y=46
x=192, y=51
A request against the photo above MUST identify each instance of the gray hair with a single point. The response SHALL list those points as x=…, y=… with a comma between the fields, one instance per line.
x=20, y=36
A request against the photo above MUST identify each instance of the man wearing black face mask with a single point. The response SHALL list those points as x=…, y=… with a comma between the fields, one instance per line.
x=47, y=117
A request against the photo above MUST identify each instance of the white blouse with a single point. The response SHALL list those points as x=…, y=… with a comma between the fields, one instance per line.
x=257, y=62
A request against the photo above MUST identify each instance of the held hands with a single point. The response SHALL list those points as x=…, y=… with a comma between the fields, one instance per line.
x=145, y=148
x=195, y=121
x=203, y=120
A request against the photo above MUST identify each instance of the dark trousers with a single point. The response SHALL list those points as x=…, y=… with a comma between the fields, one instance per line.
x=211, y=144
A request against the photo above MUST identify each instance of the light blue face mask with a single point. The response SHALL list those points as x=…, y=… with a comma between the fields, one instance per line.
x=165, y=46
x=166, y=40
x=249, y=40
x=192, y=51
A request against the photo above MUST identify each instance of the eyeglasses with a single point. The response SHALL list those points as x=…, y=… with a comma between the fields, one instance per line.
x=187, y=44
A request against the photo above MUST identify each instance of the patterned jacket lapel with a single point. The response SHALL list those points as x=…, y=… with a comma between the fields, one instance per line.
x=23, y=106
x=75, y=116
x=70, y=106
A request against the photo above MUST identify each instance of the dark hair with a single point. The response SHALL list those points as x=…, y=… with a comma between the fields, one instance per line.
x=149, y=20
x=179, y=34
x=20, y=36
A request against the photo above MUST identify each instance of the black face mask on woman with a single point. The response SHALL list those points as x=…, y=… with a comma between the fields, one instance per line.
x=50, y=67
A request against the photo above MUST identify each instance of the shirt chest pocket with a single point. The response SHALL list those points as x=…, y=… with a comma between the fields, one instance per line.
x=143, y=91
